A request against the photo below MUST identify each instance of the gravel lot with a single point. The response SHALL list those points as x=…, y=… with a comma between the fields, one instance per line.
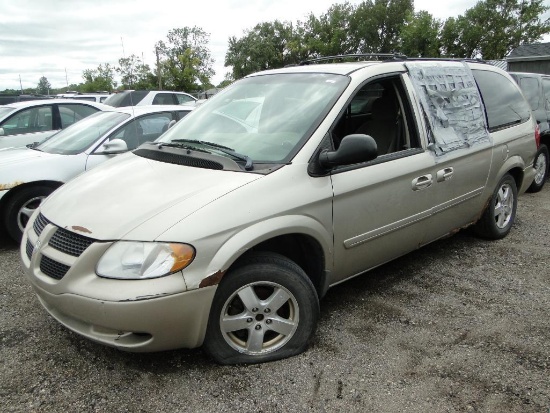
x=461, y=325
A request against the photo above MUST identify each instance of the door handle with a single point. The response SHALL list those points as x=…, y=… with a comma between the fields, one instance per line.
x=444, y=174
x=422, y=182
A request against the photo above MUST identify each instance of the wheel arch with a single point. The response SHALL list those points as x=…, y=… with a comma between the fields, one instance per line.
x=13, y=191
x=301, y=239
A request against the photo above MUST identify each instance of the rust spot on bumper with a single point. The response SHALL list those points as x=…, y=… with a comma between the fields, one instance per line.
x=213, y=279
x=81, y=229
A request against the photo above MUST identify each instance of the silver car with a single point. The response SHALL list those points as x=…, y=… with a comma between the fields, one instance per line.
x=228, y=230
x=29, y=175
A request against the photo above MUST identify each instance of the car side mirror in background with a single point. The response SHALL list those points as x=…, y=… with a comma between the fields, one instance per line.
x=171, y=123
x=1, y=131
x=355, y=148
x=113, y=147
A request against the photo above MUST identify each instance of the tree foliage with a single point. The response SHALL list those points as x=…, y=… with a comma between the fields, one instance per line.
x=420, y=35
x=493, y=28
x=100, y=79
x=134, y=74
x=185, y=60
x=44, y=86
x=266, y=46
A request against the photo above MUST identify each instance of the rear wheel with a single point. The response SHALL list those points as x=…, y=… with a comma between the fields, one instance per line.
x=20, y=208
x=498, y=218
x=264, y=309
x=541, y=167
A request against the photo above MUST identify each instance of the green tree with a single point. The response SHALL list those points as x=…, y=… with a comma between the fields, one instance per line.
x=376, y=26
x=134, y=74
x=266, y=46
x=493, y=28
x=330, y=34
x=420, y=36
x=44, y=86
x=100, y=79
x=185, y=60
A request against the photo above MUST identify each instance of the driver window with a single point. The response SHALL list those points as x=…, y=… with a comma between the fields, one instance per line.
x=379, y=109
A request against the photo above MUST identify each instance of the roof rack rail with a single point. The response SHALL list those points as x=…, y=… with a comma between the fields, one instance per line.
x=452, y=59
x=370, y=56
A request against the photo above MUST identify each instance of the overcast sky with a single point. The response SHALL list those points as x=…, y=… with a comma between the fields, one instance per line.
x=59, y=39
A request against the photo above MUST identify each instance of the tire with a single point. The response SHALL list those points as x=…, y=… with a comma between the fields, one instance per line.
x=498, y=218
x=260, y=330
x=541, y=166
x=21, y=206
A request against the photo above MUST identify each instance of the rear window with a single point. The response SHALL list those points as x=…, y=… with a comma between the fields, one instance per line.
x=504, y=104
x=126, y=98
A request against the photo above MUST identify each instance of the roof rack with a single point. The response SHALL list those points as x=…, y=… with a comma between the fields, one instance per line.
x=386, y=57
x=364, y=56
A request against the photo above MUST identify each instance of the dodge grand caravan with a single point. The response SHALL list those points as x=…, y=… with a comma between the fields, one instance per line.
x=228, y=230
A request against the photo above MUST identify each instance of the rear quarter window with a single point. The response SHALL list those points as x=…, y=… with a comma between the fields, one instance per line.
x=504, y=103
x=530, y=88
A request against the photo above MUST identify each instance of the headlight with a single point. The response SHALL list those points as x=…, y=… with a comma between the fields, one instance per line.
x=129, y=260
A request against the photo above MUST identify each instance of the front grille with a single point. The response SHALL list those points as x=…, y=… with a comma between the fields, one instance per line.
x=28, y=249
x=39, y=224
x=69, y=242
x=53, y=268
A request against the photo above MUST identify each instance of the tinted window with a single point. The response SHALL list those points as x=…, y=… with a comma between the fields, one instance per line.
x=504, y=104
x=183, y=99
x=163, y=99
x=71, y=113
x=128, y=98
x=530, y=88
x=143, y=129
x=36, y=119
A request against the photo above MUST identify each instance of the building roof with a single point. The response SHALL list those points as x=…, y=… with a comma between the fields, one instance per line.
x=534, y=51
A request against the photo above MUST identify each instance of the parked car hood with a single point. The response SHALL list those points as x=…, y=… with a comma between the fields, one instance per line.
x=23, y=165
x=108, y=202
x=12, y=156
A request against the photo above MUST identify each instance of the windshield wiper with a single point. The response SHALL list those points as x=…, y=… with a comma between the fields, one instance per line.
x=224, y=149
x=160, y=145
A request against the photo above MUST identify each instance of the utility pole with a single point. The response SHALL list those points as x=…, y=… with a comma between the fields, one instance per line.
x=158, y=67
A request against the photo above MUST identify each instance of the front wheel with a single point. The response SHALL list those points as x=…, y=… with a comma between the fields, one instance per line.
x=498, y=218
x=20, y=208
x=541, y=169
x=265, y=309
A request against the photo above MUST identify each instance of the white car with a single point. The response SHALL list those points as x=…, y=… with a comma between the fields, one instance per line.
x=24, y=123
x=28, y=175
x=149, y=97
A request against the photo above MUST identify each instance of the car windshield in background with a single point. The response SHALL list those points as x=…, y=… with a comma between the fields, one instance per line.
x=266, y=118
x=78, y=137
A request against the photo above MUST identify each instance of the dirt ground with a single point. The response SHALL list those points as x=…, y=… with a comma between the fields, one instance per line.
x=462, y=325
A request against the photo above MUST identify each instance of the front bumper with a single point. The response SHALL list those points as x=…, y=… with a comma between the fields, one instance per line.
x=133, y=315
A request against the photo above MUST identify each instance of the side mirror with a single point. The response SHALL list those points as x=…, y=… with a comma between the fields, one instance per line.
x=113, y=147
x=171, y=123
x=2, y=132
x=353, y=149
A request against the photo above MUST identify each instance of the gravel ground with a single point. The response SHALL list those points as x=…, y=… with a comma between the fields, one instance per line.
x=461, y=325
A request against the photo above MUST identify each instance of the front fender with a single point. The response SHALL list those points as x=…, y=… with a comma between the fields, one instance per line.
x=261, y=231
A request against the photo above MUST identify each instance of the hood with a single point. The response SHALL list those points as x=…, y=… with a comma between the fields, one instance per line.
x=13, y=156
x=22, y=165
x=111, y=200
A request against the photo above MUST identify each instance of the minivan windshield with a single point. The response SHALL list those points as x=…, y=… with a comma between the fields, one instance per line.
x=265, y=118
x=80, y=136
